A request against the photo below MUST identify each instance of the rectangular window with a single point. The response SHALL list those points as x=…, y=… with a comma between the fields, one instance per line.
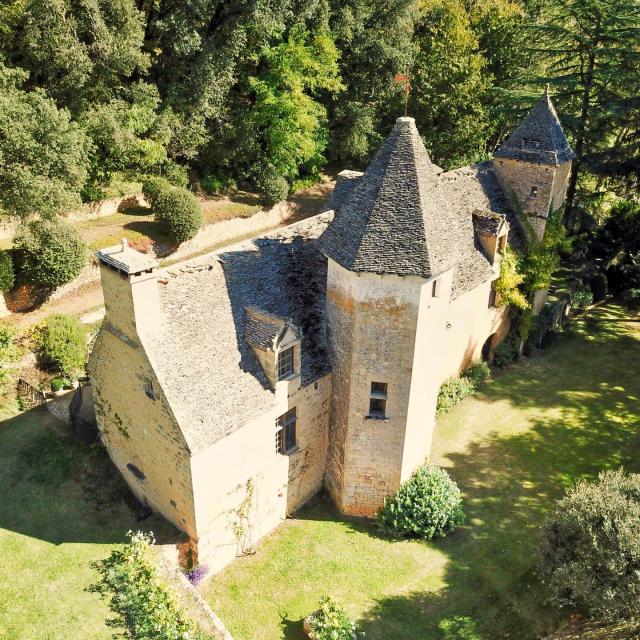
x=492, y=299
x=529, y=143
x=435, y=289
x=285, y=363
x=378, y=400
x=534, y=192
x=286, y=432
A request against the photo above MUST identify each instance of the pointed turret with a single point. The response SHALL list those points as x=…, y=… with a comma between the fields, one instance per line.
x=396, y=220
x=539, y=138
x=534, y=164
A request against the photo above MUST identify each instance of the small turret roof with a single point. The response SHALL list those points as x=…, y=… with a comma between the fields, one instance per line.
x=539, y=138
x=397, y=220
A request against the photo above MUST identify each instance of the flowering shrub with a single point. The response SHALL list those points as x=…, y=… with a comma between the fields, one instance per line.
x=428, y=505
x=197, y=575
x=143, y=605
x=331, y=622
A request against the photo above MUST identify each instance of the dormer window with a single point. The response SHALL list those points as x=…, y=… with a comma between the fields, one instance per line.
x=285, y=363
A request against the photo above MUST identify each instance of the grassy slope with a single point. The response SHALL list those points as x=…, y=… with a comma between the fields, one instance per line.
x=568, y=413
x=51, y=530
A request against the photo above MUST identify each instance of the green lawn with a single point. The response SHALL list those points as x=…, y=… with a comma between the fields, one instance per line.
x=61, y=507
x=568, y=413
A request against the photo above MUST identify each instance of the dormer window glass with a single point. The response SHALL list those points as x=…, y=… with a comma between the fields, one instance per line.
x=285, y=363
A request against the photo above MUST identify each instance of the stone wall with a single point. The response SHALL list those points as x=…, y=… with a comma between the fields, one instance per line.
x=539, y=188
x=243, y=488
x=140, y=433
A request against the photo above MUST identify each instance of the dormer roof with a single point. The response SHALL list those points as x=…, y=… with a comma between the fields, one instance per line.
x=539, y=138
x=489, y=223
x=396, y=218
x=264, y=330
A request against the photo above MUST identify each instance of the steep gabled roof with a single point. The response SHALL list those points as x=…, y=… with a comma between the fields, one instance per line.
x=264, y=330
x=396, y=219
x=539, y=138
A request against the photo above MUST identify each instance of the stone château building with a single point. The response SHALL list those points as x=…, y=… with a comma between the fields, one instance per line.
x=231, y=389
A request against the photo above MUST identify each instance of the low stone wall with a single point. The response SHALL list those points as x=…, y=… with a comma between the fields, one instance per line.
x=189, y=598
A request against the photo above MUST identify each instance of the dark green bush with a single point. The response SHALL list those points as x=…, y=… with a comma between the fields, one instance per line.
x=153, y=188
x=478, y=374
x=590, y=548
x=458, y=628
x=272, y=186
x=179, y=212
x=506, y=352
x=427, y=505
x=176, y=174
x=331, y=622
x=599, y=286
x=217, y=183
x=57, y=384
x=582, y=298
x=7, y=274
x=61, y=345
x=51, y=252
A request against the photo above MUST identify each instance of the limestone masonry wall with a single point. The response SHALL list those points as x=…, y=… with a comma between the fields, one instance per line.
x=244, y=488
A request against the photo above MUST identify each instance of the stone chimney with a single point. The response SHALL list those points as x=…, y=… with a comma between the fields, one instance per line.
x=130, y=287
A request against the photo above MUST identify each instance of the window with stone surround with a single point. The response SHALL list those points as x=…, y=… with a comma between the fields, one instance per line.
x=286, y=426
x=285, y=363
x=534, y=192
x=378, y=400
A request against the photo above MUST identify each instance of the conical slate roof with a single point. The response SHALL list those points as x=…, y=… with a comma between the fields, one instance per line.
x=539, y=138
x=397, y=219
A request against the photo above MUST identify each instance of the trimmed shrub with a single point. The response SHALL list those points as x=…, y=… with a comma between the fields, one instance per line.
x=144, y=606
x=428, y=505
x=582, y=298
x=452, y=391
x=153, y=188
x=590, y=548
x=51, y=252
x=179, y=212
x=61, y=345
x=272, y=186
x=506, y=352
x=478, y=374
x=331, y=622
x=7, y=274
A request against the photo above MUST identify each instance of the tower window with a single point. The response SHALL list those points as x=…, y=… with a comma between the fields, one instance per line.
x=149, y=390
x=529, y=143
x=435, y=289
x=286, y=432
x=492, y=298
x=378, y=400
x=534, y=192
x=285, y=363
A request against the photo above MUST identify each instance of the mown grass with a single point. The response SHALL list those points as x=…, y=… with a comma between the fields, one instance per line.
x=565, y=414
x=61, y=507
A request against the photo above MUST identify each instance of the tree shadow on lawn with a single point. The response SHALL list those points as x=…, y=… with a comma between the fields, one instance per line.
x=509, y=482
x=60, y=490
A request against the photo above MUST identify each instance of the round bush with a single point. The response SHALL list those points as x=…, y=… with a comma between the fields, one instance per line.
x=428, y=505
x=179, y=212
x=153, y=188
x=590, y=548
x=51, y=252
x=582, y=298
x=7, y=275
x=61, y=345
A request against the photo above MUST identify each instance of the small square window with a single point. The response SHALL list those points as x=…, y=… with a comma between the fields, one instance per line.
x=534, y=192
x=285, y=363
x=286, y=426
x=379, y=388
